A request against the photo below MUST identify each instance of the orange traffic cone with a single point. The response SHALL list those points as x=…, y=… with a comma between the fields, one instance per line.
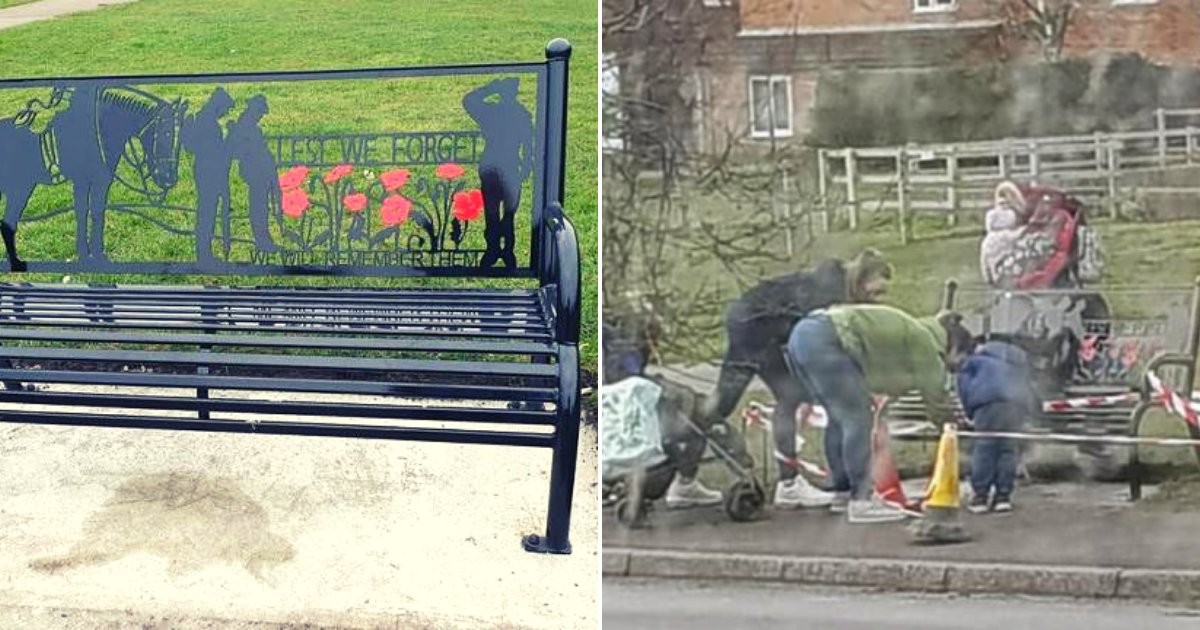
x=941, y=523
x=883, y=465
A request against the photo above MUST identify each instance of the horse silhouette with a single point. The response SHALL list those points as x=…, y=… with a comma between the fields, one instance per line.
x=85, y=143
x=507, y=160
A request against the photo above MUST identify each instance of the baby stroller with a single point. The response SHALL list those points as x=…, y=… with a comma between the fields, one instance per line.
x=650, y=427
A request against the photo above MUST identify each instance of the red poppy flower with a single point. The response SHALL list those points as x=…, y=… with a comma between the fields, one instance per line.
x=295, y=202
x=394, y=179
x=468, y=205
x=356, y=202
x=338, y=172
x=294, y=178
x=450, y=171
x=395, y=210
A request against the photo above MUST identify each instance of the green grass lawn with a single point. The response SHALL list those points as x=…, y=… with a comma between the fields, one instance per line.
x=182, y=36
x=4, y=4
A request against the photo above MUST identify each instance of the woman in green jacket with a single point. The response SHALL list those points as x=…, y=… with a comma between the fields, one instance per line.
x=848, y=352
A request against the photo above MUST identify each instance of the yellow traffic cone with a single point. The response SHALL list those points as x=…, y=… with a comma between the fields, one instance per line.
x=941, y=523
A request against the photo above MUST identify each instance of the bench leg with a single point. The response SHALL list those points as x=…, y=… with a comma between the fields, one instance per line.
x=562, y=469
x=1135, y=456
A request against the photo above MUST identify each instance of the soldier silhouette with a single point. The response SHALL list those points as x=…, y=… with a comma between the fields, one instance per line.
x=257, y=167
x=83, y=155
x=202, y=136
x=507, y=160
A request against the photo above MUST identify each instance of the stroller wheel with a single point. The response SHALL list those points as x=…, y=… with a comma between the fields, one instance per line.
x=744, y=501
x=629, y=512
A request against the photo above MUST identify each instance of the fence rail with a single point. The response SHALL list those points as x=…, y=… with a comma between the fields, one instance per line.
x=950, y=178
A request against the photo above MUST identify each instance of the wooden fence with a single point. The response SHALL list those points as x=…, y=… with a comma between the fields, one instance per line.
x=949, y=179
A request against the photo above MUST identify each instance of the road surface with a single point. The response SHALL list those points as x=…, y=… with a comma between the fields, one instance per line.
x=671, y=604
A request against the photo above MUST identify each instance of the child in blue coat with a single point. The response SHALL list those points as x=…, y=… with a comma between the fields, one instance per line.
x=997, y=391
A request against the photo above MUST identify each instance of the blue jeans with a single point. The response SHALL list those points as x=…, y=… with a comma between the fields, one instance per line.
x=994, y=460
x=838, y=383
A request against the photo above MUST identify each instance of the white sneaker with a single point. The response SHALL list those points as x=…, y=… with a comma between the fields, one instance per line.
x=840, y=501
x=798, y=493
x=693, y=494
x=873, y=511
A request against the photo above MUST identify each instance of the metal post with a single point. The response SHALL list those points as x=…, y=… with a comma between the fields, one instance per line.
x=1191, y=143
x=852, y=187
x=562, y=467
x=902, y=194
x=1005, y=150
x=568, y=298
x=558, y=56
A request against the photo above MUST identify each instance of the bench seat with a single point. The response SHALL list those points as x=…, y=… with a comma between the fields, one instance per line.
x=412, y=355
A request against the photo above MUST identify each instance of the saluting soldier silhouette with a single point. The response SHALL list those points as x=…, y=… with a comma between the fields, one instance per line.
x=507, y=160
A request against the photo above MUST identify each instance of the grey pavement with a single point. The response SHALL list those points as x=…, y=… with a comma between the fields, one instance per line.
x=120, y=528
x=49, y=9
x=1054, y=524
x=668, y=604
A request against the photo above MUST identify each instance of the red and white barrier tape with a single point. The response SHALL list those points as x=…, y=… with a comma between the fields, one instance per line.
x=756, y=414
x=1079, y=439
x=1089, y=402
x=1186, y=409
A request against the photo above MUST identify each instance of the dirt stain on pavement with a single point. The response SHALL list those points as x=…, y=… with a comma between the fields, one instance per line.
x=191, y=520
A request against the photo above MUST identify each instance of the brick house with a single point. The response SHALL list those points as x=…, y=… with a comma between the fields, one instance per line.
x=760, y=71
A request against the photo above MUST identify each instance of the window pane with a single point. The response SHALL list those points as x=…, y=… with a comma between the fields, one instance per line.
x=782, y=106
x=760, y=115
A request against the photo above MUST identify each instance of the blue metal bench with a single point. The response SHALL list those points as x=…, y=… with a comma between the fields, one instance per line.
x=231, y=175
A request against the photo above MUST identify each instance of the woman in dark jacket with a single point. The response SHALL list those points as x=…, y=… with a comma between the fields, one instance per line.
x=757, y=326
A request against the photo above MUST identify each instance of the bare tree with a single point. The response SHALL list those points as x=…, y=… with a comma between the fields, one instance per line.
x=686, y=222
x=1043, y=22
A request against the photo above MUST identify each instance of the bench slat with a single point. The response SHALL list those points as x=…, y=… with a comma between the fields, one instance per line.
x=199, y=300
x=290, y=361
x=269, y=384
x=526, y=333
x=345, y=410
x=255, y=340
x=51, y=315
x=288, y=294
x=511, y=438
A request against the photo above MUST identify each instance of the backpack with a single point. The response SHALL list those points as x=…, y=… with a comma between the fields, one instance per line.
x=1090, y=267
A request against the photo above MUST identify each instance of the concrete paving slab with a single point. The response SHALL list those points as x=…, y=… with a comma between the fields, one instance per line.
x=260, y=530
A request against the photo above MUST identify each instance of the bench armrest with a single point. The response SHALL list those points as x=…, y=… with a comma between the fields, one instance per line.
x=1168, y=358
x=559, y=272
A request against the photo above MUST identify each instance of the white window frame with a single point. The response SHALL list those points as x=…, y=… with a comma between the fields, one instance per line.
x=935, y=6
x=717, y=3
x=775, y=131
x=1118, y=3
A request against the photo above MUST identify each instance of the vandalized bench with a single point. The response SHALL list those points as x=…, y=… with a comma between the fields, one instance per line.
x=454, y=175
x=1103, y=359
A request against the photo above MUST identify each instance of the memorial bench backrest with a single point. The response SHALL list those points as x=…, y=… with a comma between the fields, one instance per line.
x=285, y=173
